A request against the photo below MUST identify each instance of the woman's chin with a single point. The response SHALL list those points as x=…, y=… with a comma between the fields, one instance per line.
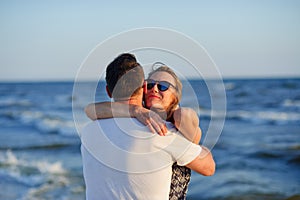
x=157, y=108
x=156, y=105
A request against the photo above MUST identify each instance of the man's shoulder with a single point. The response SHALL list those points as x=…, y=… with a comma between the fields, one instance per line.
x=113, y=124
x=171, y=127
x=91, y=126
x=109, y=120
x=94, y=125
x=117, y=121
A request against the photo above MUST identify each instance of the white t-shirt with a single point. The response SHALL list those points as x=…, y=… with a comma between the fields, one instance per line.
x=123, y=160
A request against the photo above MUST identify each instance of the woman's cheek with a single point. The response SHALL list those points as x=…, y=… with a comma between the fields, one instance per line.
x=148, y=103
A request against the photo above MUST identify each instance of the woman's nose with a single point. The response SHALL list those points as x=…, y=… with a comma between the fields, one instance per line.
x=155, y=89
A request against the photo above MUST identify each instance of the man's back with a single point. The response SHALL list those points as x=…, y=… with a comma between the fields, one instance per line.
x=123, y=160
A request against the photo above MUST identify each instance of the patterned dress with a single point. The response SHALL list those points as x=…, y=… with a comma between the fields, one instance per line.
x=181, y=176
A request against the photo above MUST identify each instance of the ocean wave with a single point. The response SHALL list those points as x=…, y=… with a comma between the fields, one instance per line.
x=11, y=102
x=208, y=114
x=38, y=146
x=64, y=98
x=29, y=173
x=41, y=176
x=10, y=160
x=43, y=122
x=254, y=116
x=52, y=124
x=229, y=86
x=263, y=154
x=291, y=103
x=263, y=116
x=295, y=160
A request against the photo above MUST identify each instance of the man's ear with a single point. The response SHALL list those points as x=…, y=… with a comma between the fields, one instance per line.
x=108, y=92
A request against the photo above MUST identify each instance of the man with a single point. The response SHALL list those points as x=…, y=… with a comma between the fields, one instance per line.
x=122, y=159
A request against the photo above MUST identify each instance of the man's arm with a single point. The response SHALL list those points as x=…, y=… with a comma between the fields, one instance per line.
x=187, y=122
x=204, y=163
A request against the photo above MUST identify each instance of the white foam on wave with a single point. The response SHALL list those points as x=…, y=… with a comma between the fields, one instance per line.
x=44, y=176
x=265, y=115
x=46, y=122
x=15, y=102
x=291, y=103
x=43, y=166
x=210, y=113
x=45, y=189
x=53, y=168
x=65, y=127
x=45, y=179
x=11, y=159
x=277, y=116
x=63, y=98
x=229, y=86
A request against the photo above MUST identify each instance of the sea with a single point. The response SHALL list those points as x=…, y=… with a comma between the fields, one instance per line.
x=257, y=152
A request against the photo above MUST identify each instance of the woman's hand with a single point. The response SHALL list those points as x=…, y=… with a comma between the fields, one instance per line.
x=149, y=118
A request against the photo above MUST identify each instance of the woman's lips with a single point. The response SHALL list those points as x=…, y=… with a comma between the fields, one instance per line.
x=153, y=96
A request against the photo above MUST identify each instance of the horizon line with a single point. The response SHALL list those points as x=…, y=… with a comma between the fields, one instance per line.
x=189, y=78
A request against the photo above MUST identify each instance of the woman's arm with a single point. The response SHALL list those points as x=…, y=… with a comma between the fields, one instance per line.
x=187, y=122
x=104, y=110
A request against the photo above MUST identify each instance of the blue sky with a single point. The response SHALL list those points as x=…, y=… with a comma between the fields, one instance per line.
x=48, y=40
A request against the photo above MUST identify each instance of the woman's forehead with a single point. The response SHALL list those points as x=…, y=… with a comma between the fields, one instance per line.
x=163, y=76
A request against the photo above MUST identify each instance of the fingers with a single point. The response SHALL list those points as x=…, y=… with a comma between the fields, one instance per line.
x=153, y=121
x=151, y=128
x=155, y=127
x=158, y=123
x=159, y=127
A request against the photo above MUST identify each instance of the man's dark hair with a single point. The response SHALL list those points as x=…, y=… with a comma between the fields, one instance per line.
x=124, y=76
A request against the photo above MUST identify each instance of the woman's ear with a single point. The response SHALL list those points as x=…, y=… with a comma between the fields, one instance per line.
x=108, y=92
x=144, y=92
x=145, y=87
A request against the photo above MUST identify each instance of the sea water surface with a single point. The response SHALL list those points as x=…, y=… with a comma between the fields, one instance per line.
x=257, y=154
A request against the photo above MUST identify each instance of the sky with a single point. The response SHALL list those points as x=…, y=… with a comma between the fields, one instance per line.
x=49, y=40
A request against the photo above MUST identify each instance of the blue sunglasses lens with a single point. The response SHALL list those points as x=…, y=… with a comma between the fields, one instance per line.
x=162, y=85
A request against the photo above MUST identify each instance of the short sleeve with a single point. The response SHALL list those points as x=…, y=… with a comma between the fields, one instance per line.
x=191, y=153
x=182, y=150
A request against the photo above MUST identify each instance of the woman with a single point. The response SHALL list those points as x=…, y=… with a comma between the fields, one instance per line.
x=162, y=96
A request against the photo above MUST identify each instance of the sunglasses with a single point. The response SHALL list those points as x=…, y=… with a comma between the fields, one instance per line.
x=161, y=85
